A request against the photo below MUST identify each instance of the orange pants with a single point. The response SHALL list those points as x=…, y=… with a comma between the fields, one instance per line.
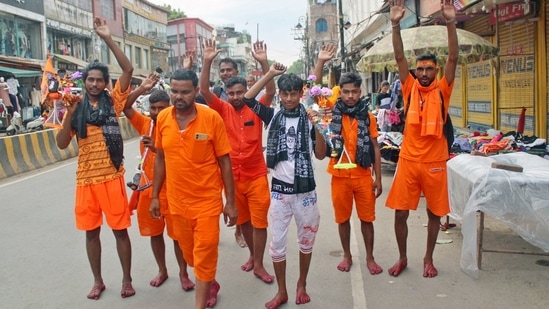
x=411, y=178
x=253, y=199
x=344, y=189
x=107, y=197
x=148, y=226
x=199, y=241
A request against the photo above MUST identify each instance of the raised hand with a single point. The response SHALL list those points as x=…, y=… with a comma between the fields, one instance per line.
x=277, y=69
x=101, y=28
x=260, y=51
x=327, y=52
x=398, y=10
x=447, y=9
x=209, y=50
x=188, y=60
x=150, y=81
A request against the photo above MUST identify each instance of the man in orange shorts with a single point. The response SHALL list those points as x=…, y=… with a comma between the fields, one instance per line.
x=424, y=151
x=192, y=157
x=148, y=226
x=358, y=129
x=244, y=129
x=100, y=174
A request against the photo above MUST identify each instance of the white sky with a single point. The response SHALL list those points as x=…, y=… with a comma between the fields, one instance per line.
x=275, y=18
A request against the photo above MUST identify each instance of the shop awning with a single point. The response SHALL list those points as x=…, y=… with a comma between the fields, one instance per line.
x=21, y=73
x=70, y=59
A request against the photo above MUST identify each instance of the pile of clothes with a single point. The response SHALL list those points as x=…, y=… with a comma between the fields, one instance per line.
x=494, y=141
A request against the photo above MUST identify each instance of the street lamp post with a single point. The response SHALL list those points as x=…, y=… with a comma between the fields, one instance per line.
x=301, y=33
x=341, y=34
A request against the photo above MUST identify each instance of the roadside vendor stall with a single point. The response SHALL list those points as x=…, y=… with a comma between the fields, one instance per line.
x=517, y=197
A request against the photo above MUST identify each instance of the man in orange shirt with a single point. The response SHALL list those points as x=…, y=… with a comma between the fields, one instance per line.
x=424, y=151
x=100, y=184
x=192, y=156
x=148, y=226
x=358, y=129
x=244, y=129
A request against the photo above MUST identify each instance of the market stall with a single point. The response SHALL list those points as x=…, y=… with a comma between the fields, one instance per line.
x=518, y=198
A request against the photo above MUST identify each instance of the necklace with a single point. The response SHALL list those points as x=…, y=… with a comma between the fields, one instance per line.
x=421, y=101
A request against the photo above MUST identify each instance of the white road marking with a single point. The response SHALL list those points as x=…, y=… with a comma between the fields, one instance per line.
x=357, y=284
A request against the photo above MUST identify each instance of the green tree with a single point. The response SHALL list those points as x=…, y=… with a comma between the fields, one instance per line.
x=297, y=67
x=174, y=13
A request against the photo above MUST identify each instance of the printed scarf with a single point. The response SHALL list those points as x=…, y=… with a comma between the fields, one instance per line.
x=364, y=150
x=103, y=116
x=277, y=148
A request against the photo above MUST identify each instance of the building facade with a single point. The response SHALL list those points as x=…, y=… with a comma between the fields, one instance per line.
x=145, y=35
x=185, y=35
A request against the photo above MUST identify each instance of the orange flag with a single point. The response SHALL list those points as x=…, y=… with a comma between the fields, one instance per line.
x=48, y=69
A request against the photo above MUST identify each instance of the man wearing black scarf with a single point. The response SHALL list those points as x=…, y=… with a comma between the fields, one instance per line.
x=358, y=129
x=100, y=184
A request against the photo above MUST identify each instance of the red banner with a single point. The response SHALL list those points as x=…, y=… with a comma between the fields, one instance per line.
x=509, y=11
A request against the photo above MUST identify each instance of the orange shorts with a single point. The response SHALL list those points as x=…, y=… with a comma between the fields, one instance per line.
x=344, y=189
x=148, y=226
x=199, y=241
x=411, y=178
x=107, y=197
x=253, y=199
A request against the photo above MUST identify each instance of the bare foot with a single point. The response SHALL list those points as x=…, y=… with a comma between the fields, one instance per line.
x=429, y=270
x=249, y=265
x=186, y=283
x=158, y=280
x=127, y=290
x=301, y=296
x=96, y=291
x=212, y=295
x=279, y=299
x=345, y=265
x=399, y=266
x=240, y=240
x=373, y=267
x=264, y=275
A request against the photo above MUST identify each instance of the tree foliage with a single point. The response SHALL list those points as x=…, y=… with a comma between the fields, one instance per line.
x=174, y=13
x=297, y=67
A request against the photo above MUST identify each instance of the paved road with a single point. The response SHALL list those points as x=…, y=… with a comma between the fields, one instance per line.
x=43, y=262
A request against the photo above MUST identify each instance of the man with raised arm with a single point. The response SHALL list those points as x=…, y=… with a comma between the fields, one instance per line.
x=358, y=128
x=424, y=151
x=291, y=143
x=244, y=129
x=100, y=187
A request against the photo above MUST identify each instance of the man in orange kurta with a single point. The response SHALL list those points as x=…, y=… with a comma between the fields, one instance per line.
x=193, y=159
x=424, y=151
x=149, y=226
x=100, y=187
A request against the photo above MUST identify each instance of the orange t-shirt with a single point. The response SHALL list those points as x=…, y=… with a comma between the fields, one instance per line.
x=349, y=129
x=193, y=178
x=94, y=161
x=245, y=131
x=424, y=148
x=143, y=126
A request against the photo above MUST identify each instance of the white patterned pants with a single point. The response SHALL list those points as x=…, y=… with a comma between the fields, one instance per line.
x=303, y=207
